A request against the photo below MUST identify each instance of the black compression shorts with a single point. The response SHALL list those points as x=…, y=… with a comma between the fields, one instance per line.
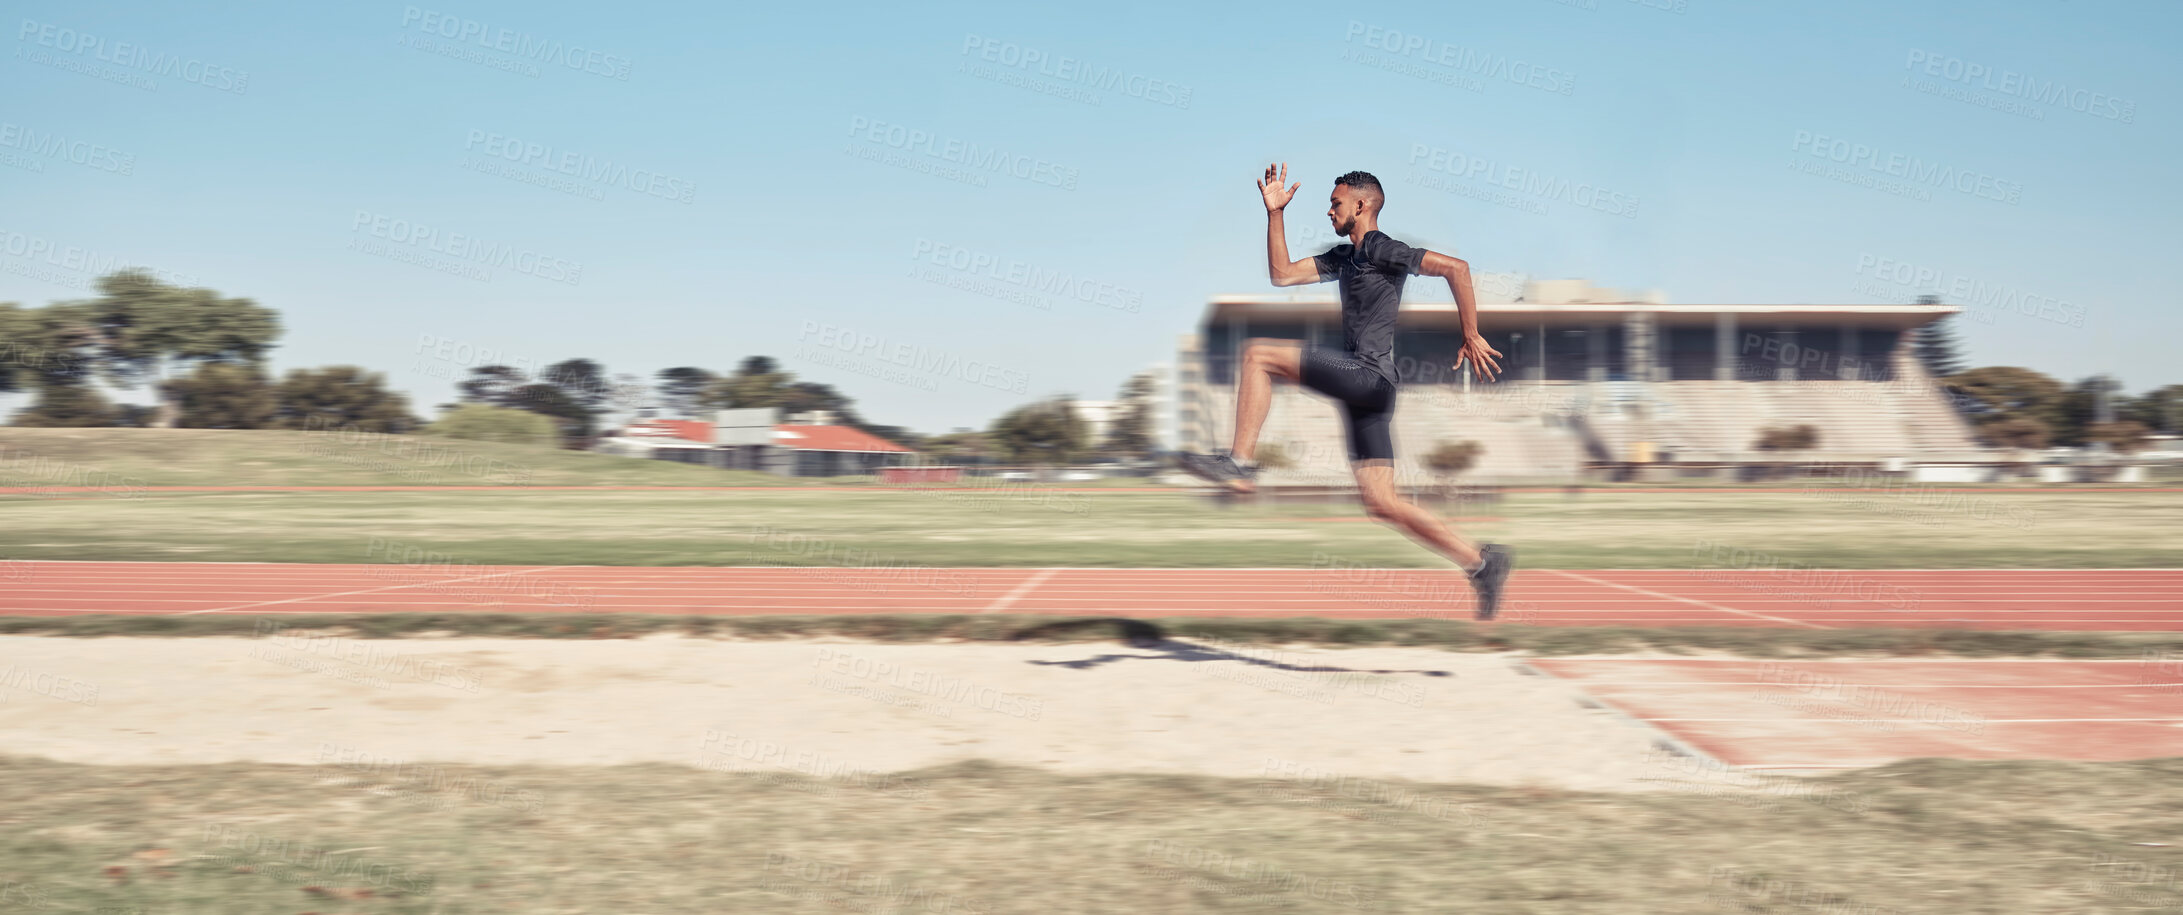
x=1366, y=396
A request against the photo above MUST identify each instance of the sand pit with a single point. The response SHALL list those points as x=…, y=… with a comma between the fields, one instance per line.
x=820, y=708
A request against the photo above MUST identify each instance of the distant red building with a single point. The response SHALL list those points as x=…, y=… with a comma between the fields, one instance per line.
x=789, y=449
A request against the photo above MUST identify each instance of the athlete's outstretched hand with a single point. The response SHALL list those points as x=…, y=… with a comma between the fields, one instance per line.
x=1480, y=354
x=1270, y=187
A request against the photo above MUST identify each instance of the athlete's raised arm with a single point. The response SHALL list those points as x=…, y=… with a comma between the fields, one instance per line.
x=1457, y=272
x=1277, y=191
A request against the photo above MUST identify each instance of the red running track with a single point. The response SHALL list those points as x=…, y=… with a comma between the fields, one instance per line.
x=2150, y=600
x=1852, y=712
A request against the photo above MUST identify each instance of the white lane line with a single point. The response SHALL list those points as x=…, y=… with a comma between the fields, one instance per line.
x=422, y=584
x=1022, y=589
x=1700, y=603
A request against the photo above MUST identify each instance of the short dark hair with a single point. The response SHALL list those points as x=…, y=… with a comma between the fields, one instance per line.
x=1362, y=181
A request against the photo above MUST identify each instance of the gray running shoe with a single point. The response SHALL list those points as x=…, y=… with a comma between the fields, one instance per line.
x=1493, y=569
x=1215, y=468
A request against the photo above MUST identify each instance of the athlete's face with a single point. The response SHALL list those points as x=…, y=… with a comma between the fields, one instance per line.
x=1343, y=208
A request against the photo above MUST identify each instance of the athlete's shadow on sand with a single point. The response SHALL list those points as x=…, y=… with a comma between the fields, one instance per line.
x=1141, y=634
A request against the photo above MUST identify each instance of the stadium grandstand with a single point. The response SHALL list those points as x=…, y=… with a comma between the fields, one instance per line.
x=1595, y=386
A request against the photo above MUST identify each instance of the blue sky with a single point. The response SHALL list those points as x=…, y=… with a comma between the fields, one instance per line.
x=420, y=187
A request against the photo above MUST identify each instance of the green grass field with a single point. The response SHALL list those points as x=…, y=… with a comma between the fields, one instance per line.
x=1924, y=836
x=1602, y=530
x=980, y=524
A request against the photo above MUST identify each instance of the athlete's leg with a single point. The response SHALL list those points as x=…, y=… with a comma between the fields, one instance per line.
x=1264, y=360
x=1376, y=485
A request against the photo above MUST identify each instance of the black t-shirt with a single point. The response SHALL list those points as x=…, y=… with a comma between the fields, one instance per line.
x=1371, y=276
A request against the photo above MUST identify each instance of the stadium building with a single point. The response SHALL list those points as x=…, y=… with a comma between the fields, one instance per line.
x=1595, y=386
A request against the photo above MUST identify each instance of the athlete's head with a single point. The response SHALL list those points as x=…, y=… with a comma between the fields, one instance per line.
x=1356, y=194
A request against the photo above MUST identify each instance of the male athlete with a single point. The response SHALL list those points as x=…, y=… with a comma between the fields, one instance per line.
x=1361, y=377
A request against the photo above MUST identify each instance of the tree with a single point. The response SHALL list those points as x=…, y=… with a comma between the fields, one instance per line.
x=221, y=395
x=483, y=423
x=573, y=419
x=148, y=330
x=960, y=446
x=1046, y=432
x=582, y=381
x=2124, y=436
x=342, y=397
x=68, y=405
x=1935, y=344
x=2007, y=392
x=2077, y=409
x=2160, y=408
x=492, y=385
x=49, y=350
x=1131, y=433
x=758, y=382
x=2020, y=432
x=682, y=389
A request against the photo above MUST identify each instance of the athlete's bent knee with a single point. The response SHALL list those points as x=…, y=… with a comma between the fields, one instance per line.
x=1386, y=510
